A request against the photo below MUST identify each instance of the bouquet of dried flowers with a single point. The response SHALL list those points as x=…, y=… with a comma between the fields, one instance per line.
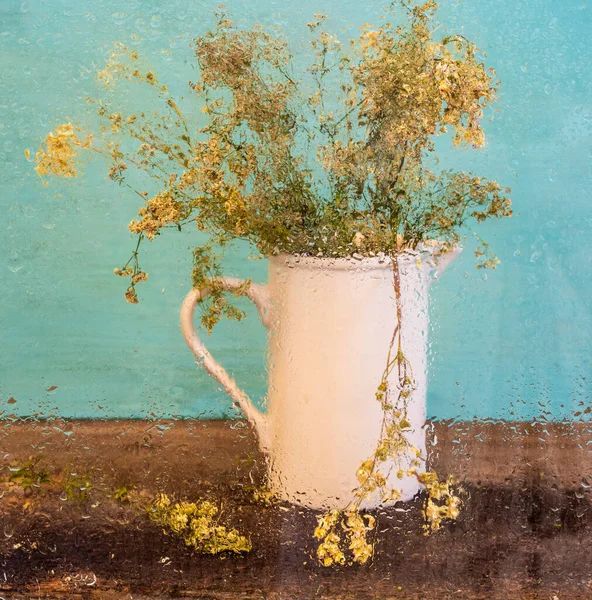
x=334, y=160
x=330, y=161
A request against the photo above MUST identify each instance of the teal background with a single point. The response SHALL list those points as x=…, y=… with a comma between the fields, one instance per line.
x=513, y=343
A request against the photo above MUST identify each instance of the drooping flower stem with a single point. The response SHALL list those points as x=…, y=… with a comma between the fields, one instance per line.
x=394, y=449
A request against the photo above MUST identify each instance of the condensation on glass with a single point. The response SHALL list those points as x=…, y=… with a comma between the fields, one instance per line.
x=106, y=421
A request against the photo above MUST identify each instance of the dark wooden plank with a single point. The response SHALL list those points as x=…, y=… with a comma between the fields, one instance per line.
x=525, y=530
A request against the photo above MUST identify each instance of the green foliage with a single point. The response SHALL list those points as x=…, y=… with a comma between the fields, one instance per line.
x=122, y=493
x=207, y=275
x=29, y=475
x=329, y=161
x=76, y=485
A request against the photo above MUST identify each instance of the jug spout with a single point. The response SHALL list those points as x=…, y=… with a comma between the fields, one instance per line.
x=443, y=259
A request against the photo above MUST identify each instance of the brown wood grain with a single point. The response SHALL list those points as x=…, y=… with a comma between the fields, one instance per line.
x=525, y=530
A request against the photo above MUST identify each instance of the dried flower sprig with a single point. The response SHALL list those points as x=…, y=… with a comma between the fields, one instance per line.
x=393, y=451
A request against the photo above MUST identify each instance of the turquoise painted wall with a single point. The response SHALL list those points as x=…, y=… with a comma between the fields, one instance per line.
x=512, y=343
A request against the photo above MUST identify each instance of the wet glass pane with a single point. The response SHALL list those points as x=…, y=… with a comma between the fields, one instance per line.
x=332, y=361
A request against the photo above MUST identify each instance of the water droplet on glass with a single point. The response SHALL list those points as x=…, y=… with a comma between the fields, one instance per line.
x=177, y=391
x=118, y=17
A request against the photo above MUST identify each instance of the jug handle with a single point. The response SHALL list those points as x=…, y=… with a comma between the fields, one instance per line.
x=259, y=295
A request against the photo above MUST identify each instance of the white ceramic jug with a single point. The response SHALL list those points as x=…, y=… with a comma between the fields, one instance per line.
x=330, y=325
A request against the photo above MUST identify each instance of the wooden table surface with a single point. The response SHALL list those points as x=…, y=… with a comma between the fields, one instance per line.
x=525, y=530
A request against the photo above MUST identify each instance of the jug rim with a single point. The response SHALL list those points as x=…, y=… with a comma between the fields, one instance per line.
x=357, y=261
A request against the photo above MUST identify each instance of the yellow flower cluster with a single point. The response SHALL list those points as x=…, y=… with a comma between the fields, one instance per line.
x=114, y=66
x=59, y=156
x=122, y=64
x=197, y=524
x=354, y=527
x=136, y=277
x=131, y=296
x=159, y=211
x=441, y=502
